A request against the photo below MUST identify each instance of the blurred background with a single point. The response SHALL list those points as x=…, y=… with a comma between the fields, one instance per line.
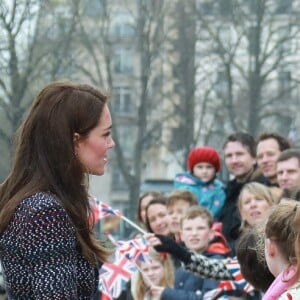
x=179, y=74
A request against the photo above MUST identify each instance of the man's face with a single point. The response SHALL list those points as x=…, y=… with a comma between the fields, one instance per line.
x=288, y=173
x=267, y=153
x=238, y=160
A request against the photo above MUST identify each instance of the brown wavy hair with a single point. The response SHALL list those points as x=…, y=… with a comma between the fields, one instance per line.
x=45, y=158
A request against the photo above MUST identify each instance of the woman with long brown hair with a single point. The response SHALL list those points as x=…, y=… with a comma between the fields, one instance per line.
x=47, y=248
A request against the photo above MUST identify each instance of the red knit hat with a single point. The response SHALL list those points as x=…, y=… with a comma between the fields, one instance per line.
x=203, y=154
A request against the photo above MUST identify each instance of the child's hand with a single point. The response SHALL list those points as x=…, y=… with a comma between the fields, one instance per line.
x=156, y=291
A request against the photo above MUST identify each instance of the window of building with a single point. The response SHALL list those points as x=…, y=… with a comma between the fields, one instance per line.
x=177, y=140
x=284, y=42
x=252, y=40
x=252, y=5
x=284, y=6
x=221, y=84
x=123, y=25
x=123, y=61
x=225, y=7
x=126, y=134
x=122, y=103
x=284, y=78
x=206, y=7
x=225, y=34
x=93, y=8
x=123, y=30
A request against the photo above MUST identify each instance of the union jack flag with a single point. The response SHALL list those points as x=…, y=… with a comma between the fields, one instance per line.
x=114, y=276
x=239, y=283
x=136, y=249
x=101, y=210
x=102, y=286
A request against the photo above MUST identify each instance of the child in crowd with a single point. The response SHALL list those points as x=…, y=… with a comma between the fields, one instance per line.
x=157, y=272
x=177, y=204
x=227, y=269
x=280, y=243
x=250, y=255
x=196, y=233
x=203, y=164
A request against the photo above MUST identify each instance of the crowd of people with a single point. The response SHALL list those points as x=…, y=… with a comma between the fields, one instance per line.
x=209, y=239
x=246, y=245
x=230, y=241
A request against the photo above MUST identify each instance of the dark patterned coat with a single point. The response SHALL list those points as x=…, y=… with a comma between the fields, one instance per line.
x=39, y=254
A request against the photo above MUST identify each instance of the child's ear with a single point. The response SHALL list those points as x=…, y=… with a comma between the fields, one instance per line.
x=270, y=247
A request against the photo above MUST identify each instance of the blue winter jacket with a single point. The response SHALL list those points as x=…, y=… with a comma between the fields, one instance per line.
x=189, y=286
x=209, y=194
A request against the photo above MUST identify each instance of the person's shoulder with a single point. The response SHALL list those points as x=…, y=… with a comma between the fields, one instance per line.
x=232, y=183
x=183, y=276
x=217, y=250
x=260, y=179
x=40, y=211
x=184, y=178
x=292, y=293
x=39, y=202
x=183, y=175
x=218, y=183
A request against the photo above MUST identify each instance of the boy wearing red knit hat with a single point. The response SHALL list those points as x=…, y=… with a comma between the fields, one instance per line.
x=203, y=164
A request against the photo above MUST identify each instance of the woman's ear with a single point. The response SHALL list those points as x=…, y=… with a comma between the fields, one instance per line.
x=76, y=140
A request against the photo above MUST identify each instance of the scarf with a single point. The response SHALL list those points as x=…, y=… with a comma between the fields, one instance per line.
x=281, y=283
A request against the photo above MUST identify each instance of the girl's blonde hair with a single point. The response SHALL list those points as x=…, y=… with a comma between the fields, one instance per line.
x=168, y=277
x=271, y=195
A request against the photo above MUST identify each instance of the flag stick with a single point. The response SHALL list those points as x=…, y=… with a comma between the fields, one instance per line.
x=133, y=225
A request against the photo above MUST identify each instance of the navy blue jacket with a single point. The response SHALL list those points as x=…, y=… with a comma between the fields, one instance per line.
x=189, y=286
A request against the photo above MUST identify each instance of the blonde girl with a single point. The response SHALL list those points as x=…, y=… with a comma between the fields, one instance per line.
x=158, y=272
